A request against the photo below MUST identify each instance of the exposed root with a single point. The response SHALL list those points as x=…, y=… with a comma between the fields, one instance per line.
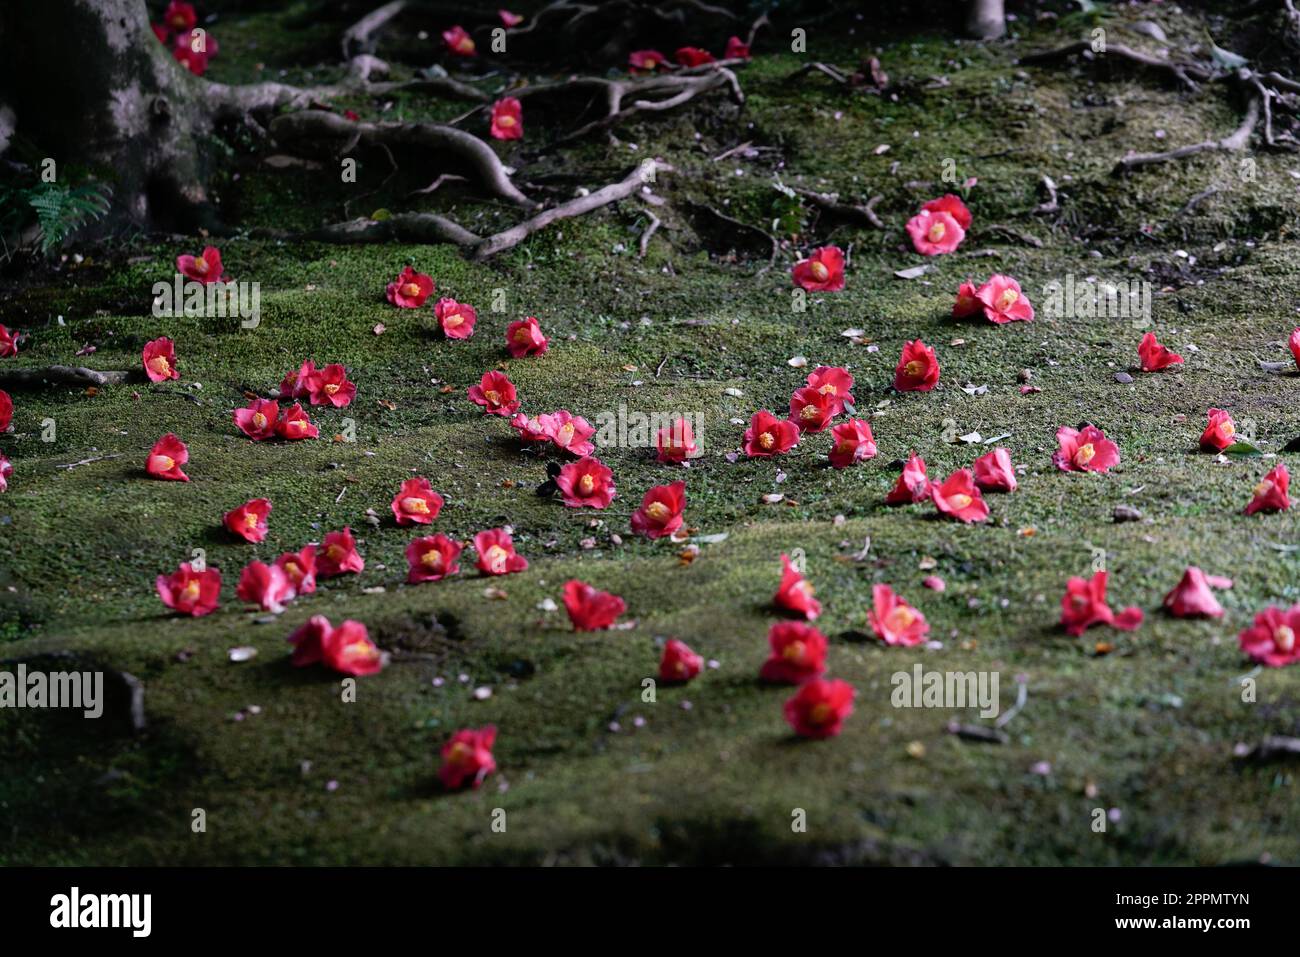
x=824, y=68
x=1052, y=204
x=65, y=375
x=831, y=203
x=402, y=227
x=1186, y=73
x=650, y=230
x=360, y=37
x=1235, y=142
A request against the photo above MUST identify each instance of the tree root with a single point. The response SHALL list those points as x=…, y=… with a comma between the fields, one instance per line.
x=1232, y=143
x=401, y=227
x=830, y=202
x=360, y=37
x=1185, y=73
x=65, y=375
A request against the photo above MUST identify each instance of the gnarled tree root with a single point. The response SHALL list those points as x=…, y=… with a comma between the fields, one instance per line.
x=65, y=375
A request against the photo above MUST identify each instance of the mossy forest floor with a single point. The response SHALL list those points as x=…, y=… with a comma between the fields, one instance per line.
x=710, y=772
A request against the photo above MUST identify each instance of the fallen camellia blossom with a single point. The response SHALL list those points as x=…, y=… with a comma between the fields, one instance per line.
x=959, y=497
x=294, y=425
x=189, y=591
x=822, y=271
x=467, y=757
x=646, y=61
x=6, y=470
x=308, y=640
x=679, y=663
x=180, y=16
x=432, y=558
x=934, y=233
x=1271, y=492
x=835, y=381
x=300, y=569
x=205, y=268
x=912, y=486
x=458, y=42
x=1193, y=597
x=795, y=593
x=819, y=707
x=338, y=555
x=798, y=653
x=894, y=621
x=159, y=358
x=589, y=608
x=248, y=521
x=496, y=394
x=572, y=433
x=1084, y=605
x=409, y=289
x=530, y=429
x=953, y=206
x=6, y=410
x=264, y=585
x=166, y=458
x=737, y=49
x=1086, y=451
x=587, y=482
x=675, y=443
x=192, y=50
x=994, y=473
x=1271, y=640
x=496, y=553
x=693, y=56
x=1004, y=301
x=812, y=409
x=1220, y=431
x=768, y=435
x=660, y=513
x=509, y=19
x=1154, y=356
x=294, y=384
x=349, y=651
x=8, y=343
x=507, y=119
x=1293, y=343
x=917, y=369
x=258, y=419
x=416, y=503
x=524, y=338
x=456, y=318
x=853, y=443
x=331, y=385
x=968, y=302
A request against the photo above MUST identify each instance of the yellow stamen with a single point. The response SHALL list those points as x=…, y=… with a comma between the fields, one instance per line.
x=331, y=388
x=506, y=121
x=160, y=365
x=819, y=271
x=163, y=463
x=936, y=232
x=454, y=320
x=259, y=420
x=495, y=559
x=913, y=368
x=900, y=618
x=794, y=651
x=821, y=714
x=493, y=396
x=191, y=590
x=411, y=290
x=959, y=501
x=417, y=506
x=766, y=440
x=1084, y=454
x=809, y=412
x=201, y=266
x=1008, y=299
x=1284, y=639
x=432, y=559
x=658, y=511
x=587, y=484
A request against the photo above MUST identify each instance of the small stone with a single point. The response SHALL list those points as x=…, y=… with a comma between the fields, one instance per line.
x=1127, y=513
x=1123, y=377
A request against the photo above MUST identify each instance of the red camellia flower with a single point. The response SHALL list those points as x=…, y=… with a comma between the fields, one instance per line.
x=589, y=608
x=646, y=61
x=676, y=443
x=166, y=458
x=836, y=382
x=768, y=435
x=811, y=409
x=331, y=385
x=300, y=569
x=294, y=424
x=161, y=31
x=338, y=555
x=912, y=486
x=586, y=482
x=660, y=513
x=934, y=233
x=993, y=472
x=822, y=271
x=507, y=119
x=968, y=302
x=159, y=359
x=524, y=338
x=6, y=410
x=456, y=318
x=1271, y=492
x=1293, y=344
x=819, y=707
x=496, y=553
x=530, y=429
x=1086, y=451
x=186, y=54
x=795, y=593
x=853, y=443
x=917, y=369
x=1220, y=431
x=509, y=19
x=953, y=206
x=205, y=268
x=190, y=592
x=349, y=651
x=1084, y=605
x=679, y=664
x=257, y=420
x=467, y=757
x=958, y=496
x=248, y=521
x=894, y=621
x=6, y=470
x=1154, y=356
x=1271, y=640
x=496, y=393
x=432, y=558
x=459, y=43
x=294, y=384
x=1193, y=597
x=570, y=432
x=409, y=289
x=736, y=49
x=308, y=640
x=8, y=343
x=1004, y=301
x=693, y=56
x=416, y=503
x=264, y=585
x=180, y=17
x=798, y=653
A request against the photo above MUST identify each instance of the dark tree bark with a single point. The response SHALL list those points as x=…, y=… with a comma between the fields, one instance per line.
x=986, y=19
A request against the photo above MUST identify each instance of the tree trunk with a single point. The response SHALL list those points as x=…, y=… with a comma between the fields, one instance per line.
x=985, y=19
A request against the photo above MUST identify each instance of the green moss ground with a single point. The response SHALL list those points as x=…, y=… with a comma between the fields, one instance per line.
x=1148, y=729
